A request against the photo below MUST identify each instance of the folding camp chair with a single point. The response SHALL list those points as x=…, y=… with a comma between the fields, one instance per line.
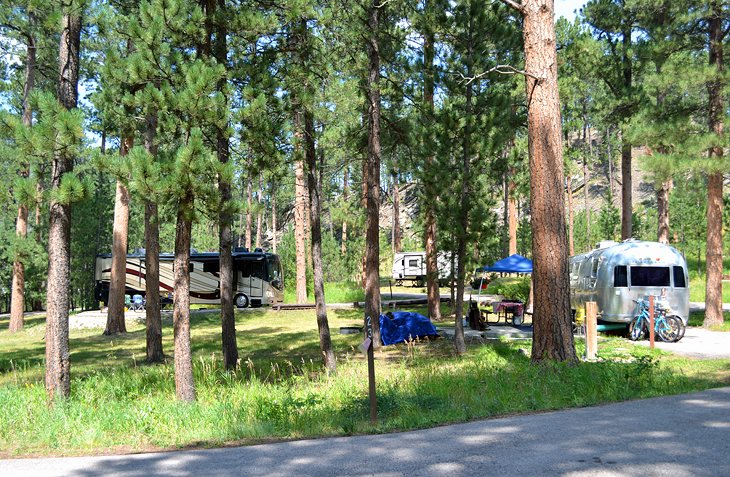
x=137, y=303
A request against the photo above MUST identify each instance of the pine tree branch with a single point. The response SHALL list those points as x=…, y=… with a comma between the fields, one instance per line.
x=501, y=69
x=517, y=6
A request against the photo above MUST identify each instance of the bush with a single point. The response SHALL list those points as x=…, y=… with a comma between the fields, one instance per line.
x=514, y=288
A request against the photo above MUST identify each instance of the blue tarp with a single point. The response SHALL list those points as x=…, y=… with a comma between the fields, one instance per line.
x=513, y=264
x=404, y=326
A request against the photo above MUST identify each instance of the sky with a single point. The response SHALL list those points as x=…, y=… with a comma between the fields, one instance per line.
x=568, y=8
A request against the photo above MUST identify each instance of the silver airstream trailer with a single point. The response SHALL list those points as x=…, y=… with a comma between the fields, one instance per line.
x=615, y=274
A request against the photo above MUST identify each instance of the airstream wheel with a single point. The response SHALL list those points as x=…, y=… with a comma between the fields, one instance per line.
x=242, y=301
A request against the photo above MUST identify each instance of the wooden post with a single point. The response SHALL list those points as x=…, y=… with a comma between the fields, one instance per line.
x=651, y=321
x=591, y=330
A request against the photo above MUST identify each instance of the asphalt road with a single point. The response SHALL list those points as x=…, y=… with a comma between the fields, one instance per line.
x=686, y=435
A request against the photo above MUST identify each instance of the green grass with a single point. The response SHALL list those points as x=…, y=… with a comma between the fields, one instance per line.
x=350, y=292
x=279, y=390
x=696, y=318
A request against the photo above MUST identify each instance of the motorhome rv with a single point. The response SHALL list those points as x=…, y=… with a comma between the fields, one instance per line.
x=614, y=274
x=258, y=277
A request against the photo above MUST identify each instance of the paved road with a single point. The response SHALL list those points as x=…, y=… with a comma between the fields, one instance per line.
x=674, y=436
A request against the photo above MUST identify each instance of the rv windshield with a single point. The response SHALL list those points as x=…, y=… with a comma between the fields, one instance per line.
x=276, y=276
x=649, y=276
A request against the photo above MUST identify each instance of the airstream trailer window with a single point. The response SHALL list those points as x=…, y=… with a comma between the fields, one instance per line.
x=620, y=276
x=649, y=276
x=679, y=281
x=594, y=268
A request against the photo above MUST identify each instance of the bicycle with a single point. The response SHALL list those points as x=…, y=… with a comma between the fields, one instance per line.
x=669, y=328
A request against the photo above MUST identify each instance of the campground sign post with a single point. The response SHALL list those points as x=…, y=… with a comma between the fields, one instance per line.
x=367, y=347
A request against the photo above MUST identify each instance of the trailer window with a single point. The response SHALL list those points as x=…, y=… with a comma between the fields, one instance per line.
x=649, y=276
x=620, y=277
x=413, y=263
x=594, y=268
x=679, y=281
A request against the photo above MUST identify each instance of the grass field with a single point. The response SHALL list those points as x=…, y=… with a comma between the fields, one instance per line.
x=279, y=391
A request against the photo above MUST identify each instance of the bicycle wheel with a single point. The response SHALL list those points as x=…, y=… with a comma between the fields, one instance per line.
x=681, y=327
x=669, y=329
x=637, y=329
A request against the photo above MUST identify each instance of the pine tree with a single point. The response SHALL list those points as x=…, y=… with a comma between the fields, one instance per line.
x=717, y=28
x=58, y=363
x=17, y=300
x=552, y=335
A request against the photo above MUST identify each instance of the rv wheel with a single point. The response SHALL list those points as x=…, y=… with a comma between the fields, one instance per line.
x=241, y=301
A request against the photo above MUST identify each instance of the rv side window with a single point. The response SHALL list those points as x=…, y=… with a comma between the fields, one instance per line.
x=413, y=263
x=620, y=277
x=649, y=276
x=679, y=281
x=211, y=267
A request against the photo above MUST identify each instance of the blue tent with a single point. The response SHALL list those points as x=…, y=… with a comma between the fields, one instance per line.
x=512, y=264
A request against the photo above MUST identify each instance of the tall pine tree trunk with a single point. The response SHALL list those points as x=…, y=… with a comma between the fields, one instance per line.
x=512, y=215
x=17, y=299
x=397, y=234
x=461, y=236
x=273, y=219
x=586, y=178
x=345, y=197
x=552, y=329
x=58, y=363
x=184, y=384
x=115, y=315
x=713, y=290
x=571, y=242
x=153, y=318
x=249, y=215
x=372, y=231
x=225, y=216
x=300, y=205
x=663, y=211
x=315, y=206
x=260, y=211
x=432, y=272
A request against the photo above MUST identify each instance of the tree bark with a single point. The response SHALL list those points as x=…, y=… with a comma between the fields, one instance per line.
x=713, y=290
x=461, y=236
x=397, y=234
x=586, y=179
x=372, y=232
x=273, y=219
x=512, y=215
x=345, y=196
x=571, y=242
x=58, y=363
x=184, y=384
x=249, y=216
x=432, y=272
x=315, y=206
x=300, y=205
x=260, y=211
x=115, y=314
x=153, y=318
x=226, y=272
x=663, y=211
x=552, y=329
x=17, y=299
